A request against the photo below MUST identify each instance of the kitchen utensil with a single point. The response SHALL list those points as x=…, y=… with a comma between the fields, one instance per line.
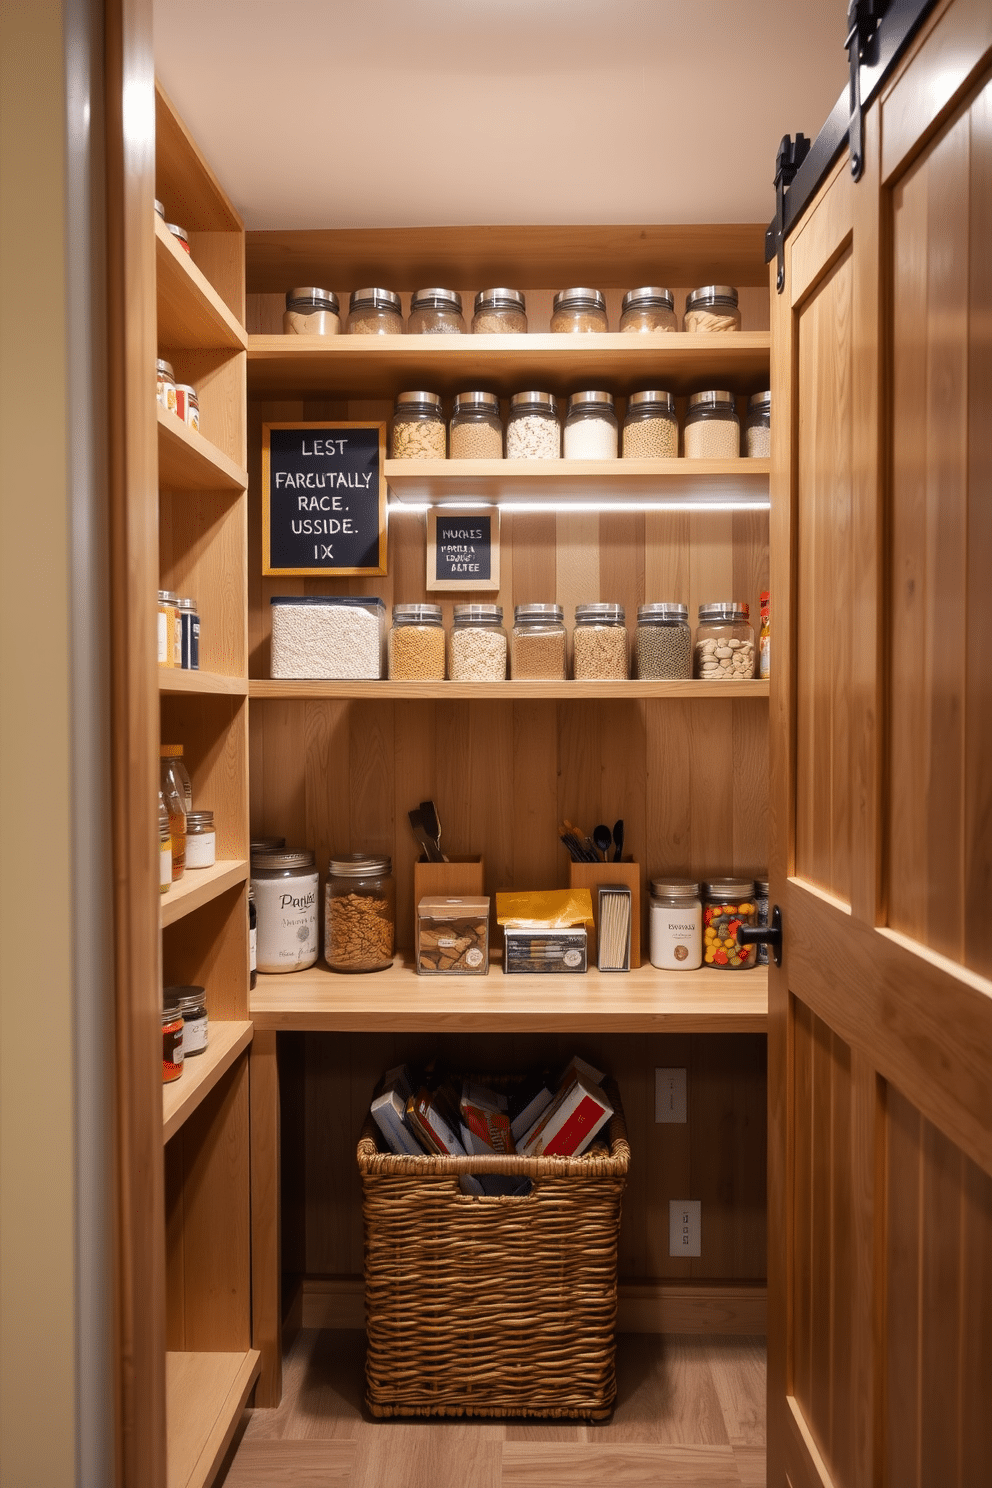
x=618, y=841
x=603, y=839
x=424, y=838
x=432, y=826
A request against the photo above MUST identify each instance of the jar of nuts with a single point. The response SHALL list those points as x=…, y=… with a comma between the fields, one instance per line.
x=477, y=644
x=712, y=428
x=663, y=643
x=476, y=428
x=758, y=426
x=579, y=310
x=537, y=645
x=374, y=312
x=712, y=308
x=724, y=649
x=418, y=427
x=650, y=427
x=416, y=643
x=648, y=309
x=436, y=312
x=499, y=312
x=359, y=913
x=599, y=643
x=532, y=428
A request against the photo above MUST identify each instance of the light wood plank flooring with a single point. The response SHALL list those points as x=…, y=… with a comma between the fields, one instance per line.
x=691, y=1411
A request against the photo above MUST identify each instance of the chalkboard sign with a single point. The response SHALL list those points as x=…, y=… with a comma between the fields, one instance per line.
x=323, y=498
x=463, y=548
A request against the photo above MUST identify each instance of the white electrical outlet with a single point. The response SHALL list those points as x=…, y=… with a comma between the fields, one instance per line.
x=670, y=1095
x=684, y=1225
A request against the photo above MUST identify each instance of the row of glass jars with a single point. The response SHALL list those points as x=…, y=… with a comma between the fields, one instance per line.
x=359, y=911
x=694, y=924
x=311, y=311
x=712, y=428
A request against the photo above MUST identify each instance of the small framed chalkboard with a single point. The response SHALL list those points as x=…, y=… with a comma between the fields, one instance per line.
x=463, y=548
x=323, y=498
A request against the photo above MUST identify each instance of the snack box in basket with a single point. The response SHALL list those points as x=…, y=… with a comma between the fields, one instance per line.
x=453, y=935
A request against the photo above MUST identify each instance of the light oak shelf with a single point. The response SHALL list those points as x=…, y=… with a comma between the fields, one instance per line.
x=201, y=1073
x=605, y=482
x=179, y=679
x=188, y=462
x=198, y=886
x=398, y=1000
x=204, y=1397
x=191, y=313
x=261, y=688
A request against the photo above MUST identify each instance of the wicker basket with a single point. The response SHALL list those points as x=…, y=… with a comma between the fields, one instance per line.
x=492, y=1307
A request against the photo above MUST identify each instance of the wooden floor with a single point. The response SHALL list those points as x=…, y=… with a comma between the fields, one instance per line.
x=691, y=1411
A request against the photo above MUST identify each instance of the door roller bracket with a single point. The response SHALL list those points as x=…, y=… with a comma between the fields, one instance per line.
x=770, y=935
x=791, y=154
x=863, y=17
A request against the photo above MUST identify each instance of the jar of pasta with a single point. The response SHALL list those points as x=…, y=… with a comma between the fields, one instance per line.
x=418, y=427
x=285, y=889
x=416, y=643
x=359, y=913
x=712, y=308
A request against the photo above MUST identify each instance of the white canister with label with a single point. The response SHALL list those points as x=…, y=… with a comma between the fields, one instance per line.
x=201, y=839
x=285, y=888
x=676, y=924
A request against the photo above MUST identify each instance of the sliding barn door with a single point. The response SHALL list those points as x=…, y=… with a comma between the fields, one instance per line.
x=880, y=1030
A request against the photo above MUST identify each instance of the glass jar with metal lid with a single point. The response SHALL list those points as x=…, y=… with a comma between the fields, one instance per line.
x=170, y=651
x=724, y=649
x=165, y=384
x=416, y=643
x=537, y=644
x=499, y=312
x=181, y=236
x=532, y=428
x=189, y=633
x=359, y=913
x=435, y=312
x=650, y=427
x=192, y=1004
x=579, y=310
x=599, y=643
x=418, y=427
x=172, y=1040
x=374, y=312
x=758, y=426
x=663, y=643
x=712, y=428
x=311, y=312
x=712, y=308
x=676, y=924
x=477, y=644
x=285, y=889
x=590, y=427
x=649, y=309
x=476, y=428
x=201, y=839
x=728, y=903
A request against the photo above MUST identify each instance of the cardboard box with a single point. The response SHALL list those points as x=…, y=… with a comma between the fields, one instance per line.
x=588, y=875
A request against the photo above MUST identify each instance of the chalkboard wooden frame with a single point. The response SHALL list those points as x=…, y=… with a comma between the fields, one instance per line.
x=468, y=516
x=328, y=430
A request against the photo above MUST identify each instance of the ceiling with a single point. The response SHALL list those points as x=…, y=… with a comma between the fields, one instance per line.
x=396, y=113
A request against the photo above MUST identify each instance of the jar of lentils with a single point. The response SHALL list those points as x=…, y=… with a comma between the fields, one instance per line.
x=590, y=427
x=599, y=643
x=648, y=309
x=532, y=428
x=579, y=310
x=416, y=643
x=418, y=427
x=374, y=312
x=359, y=913
x=650, y=428
x=537, y=645
x=724, y=650
x=727, y=903
x=712, y=428
x=758, y=426
x=663, y=643
x=436, y=312
x=499, y=312
x=712, y=308
x=476, y=428
x=311, y=312
x=477, y=644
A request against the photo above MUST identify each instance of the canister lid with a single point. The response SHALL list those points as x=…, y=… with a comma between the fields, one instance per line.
x=543, y=402
x=175, y=996
x=654, y=399
x=309, y=297
x=531, y=613
x=295, y=860
x=419, y=400
x=651, y=296
x=761, y=887
x=202, y=819
x=166, y=596
x=424, y=298
x=760, y=402
x=178, y=232
x=161, y=365
x=193, y=1001
x=170, y=1010
x=363, y=601
x=590, y=400
x=712, y=294
x=664, y=610
x=579, y=299
x=728, y=888
x=499, y=299
x=386, y=299
x=478, y=614
x=187, y=605
x=267, y=844
x=712, y=399
x=360, y=865
x=725, y=609
x=613, y=613
x=416, y=614
x=170, y=751
x=465, y=402
x=675, y=888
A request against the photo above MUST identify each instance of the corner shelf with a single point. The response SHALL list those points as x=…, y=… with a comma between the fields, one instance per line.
x=260, y=688
x=204, y=1397
x=188, y=462
x=191, y=313
x=608, y=483
x=198, y=886
x=182, y=680
x=201, y=1073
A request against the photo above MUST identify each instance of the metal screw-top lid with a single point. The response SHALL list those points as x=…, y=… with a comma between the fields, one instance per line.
x=159, y=209
x=712, y=294
x=478, y=614
x=534, y=402
x=185, y=997
x=295, y=860
x=760, y=403
x=715, y=398
x=651, y=297
x=189, y=605
x=761, y=887
x=590, y=400
x=166, y=596
x=728, y=889
x=663, y=611
x=729, y=610
x=416, y=614
x=377, y=299
x=530, y=614
x=466, y=402
x=170, y=1005
x=267, y=844
x=178, y=232
x=675, y=888
x=445, y=299
x=579, y=299
x=654, y=399
x=429, y=401
x=360, y=865
x=613, y=614
x=194, y=1002
x=311, y=298
x=161, y=365
x=499, y=299
x=202, y=819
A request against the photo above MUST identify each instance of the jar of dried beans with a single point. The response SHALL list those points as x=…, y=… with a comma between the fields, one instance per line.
x=599, y=643
x=712, y=308
x=476, y=428
x=499, y=312
x=724, y=650
x=374, y=312
x=648, y=309
x=579, y=310
x=435, y=312
x=418, y=427
x=712, y=429
x=311, y=312
x=650, y=428
x=477, y=644
x=537, y=645
x=416, y=643
x=590, y=427
x=758, y=426
x=663, y=643
x=532, y=429
x=285, y=889
x=359, y=913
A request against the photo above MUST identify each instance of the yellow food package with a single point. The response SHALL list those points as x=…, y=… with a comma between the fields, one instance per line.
x=555, y=909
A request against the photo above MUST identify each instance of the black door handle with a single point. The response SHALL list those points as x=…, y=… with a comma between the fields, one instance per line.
x=770, y=935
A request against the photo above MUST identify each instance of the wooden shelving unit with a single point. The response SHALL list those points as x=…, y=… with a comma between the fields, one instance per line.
x=205, y=1394
x=175, y=680
x=201, y=1073
x=198, y=886
x=303, y=689
x=698, y=483
x=189, y=462
x=190, y=311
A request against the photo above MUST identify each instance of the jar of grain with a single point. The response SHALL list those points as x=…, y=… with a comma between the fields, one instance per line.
x=165, y=384
x=311, y=312
x=532, y=428
x=676, y=924
x=477, y=644
x=663, y=643
x=724, y=649
x=590, y=427
x=499, y=312
x=712, y=308
x=374, y=312
x=650, y=428
x=285, y=889
x=537, y=645
x=416, y=644
x=476, y=428
x=201, y=839
x=712, y=428
x=436, y=312
x=727, y=903
x=418, y=427
x=359, y=913
x=579, y=310
x=599, y=643
x=758, y=426
x=648, y=309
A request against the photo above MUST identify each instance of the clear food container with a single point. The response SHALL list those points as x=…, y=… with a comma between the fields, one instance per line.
x=728, y=903
x=712, y=308
x=537, y=645
x=663, y=643
x=374, y=312
x=724, y=649
x=758, y=426
x=579, y=310
x=532, y=428
x=649, y=309
x=436, y=312
x=476, y=428
x=359, y=913
x=590, y=427
x=416, y=643
x=477, y=644
x=453, y=936
x=327, y=637
x=650, y=427
x=499, y=312
x=418, y=427
x=599, y=643
x=311, y=312
x=712, y=428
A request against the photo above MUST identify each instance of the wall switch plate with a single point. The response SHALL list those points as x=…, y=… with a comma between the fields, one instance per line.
x=670, y=1095
x=684, y=1227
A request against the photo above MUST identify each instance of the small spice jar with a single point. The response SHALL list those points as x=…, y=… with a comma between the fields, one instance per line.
x=727, y=903
x=374, y=312
x=418, y=427
x=648, y=309
x=532, y=428
x=189, y=634
x=758, y=426
x=599, y=643
x=579, y=310
x=650, y=427
x=676, y=924
x=499, y=312
x=359, y=913
x=165, y=384
x=712, y=308
x=201, y=839
x=164, y=846
x=187, y=405
x=252, y=940
x=477, y=644
x=311, y=312
x=416, y=643
x=761, y=917
x=172, y=1041
x=724, y=649
x=285, y=885
x=765, y=637
x=476, y=428
x=192, y=1005
x=170, y=652
x=537, y=644
x=590, y=427
x=712, y=428
x=663, y=643
x=180, y=235
x=435, y=312
x=172, y=794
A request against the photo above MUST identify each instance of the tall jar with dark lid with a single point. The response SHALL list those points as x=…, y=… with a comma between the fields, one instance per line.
x=663, y=643
x=579, y=310
x=418, y=427
x=712, y=428
x=476, y=428
x=676, y=924
x=532, y=428
x=359, y=913
x=477, y=644
x=591, y=427
x=727, y=904
x=374, y=312
x=499, y=312
x=436, y=312
x=758, y=426
x=650, y=427
x=649, y=309
x=724, y=649
x=599, y=643
x=285, y=888
x=416, y=643
x=311, y=312
x=537, y=645
x=714, y=307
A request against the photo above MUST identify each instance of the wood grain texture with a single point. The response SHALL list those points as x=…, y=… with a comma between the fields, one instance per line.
x=214, y=734
x=184, y=181
x=266, y=1266
x=202, y=547
x=206, y=1394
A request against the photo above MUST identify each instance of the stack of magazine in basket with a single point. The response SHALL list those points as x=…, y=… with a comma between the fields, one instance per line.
x=542, y=1116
